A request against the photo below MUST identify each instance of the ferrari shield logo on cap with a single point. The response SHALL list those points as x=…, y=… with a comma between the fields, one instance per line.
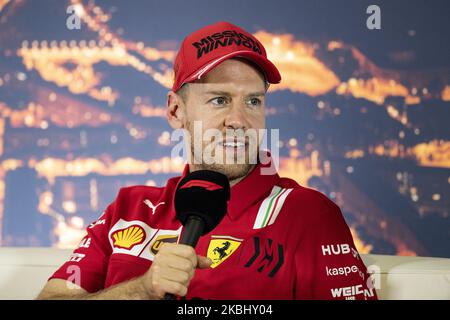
x=221, y=248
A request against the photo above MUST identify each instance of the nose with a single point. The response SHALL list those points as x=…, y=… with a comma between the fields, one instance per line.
x=235, y=118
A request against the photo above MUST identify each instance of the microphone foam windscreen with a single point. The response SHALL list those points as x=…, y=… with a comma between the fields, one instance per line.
x=203, y=193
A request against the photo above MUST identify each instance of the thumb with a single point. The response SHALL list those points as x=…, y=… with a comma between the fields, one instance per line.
x=203, y=262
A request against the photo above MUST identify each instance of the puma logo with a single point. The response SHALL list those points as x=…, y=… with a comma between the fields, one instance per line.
x=152, y=206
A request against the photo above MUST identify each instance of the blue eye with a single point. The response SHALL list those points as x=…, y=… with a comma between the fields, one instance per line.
x=219, y=100
x=255, y=102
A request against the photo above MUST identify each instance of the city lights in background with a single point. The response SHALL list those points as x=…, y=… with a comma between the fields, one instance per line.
x=80, y=134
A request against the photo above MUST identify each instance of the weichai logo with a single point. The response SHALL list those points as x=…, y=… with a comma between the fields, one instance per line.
x=127, y=238
x=223, y=39
x=350, y=292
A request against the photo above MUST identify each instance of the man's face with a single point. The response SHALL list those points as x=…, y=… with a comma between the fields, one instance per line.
x=230, y=99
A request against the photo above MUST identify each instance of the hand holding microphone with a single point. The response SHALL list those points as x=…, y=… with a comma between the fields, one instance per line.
x=200, y=204
x=172, y=271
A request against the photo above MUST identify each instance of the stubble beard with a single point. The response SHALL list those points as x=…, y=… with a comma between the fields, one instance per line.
x=234, y=171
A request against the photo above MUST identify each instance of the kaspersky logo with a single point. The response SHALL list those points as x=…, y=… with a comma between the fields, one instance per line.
x=129, y=237
x=221, y=248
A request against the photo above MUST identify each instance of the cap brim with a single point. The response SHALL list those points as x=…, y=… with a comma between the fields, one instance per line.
x=267, y=67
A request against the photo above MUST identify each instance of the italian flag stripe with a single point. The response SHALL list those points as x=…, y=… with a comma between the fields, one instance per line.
x=263, y=208
x=270, y=207
x=278, y=207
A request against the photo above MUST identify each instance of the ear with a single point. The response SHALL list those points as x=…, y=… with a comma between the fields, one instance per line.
x=175, y=110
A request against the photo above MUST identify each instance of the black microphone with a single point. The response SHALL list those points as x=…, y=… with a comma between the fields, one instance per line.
x=200, y=204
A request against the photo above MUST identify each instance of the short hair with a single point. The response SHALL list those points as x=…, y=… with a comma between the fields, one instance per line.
x=183, y=91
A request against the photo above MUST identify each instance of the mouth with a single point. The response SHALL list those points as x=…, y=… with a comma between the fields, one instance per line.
x=233, y=144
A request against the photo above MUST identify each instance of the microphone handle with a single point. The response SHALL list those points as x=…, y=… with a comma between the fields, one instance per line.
x=193, y=229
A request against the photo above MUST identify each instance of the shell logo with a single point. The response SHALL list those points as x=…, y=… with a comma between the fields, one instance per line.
x=128, y=237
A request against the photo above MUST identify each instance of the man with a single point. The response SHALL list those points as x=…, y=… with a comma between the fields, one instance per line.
x=278, y=240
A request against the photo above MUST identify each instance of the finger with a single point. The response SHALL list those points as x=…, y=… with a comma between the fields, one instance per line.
x=181, y=264
x=172, y=261
x=163, y=286
x=176, y=275
x=203, y=262
x=180, y=250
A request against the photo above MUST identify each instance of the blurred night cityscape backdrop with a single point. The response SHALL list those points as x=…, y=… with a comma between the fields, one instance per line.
x=363, y=114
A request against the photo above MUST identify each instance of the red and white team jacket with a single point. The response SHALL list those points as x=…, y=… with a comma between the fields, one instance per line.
x=278, y=240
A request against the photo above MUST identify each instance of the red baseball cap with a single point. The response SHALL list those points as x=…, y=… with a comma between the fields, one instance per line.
x=207, y=47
